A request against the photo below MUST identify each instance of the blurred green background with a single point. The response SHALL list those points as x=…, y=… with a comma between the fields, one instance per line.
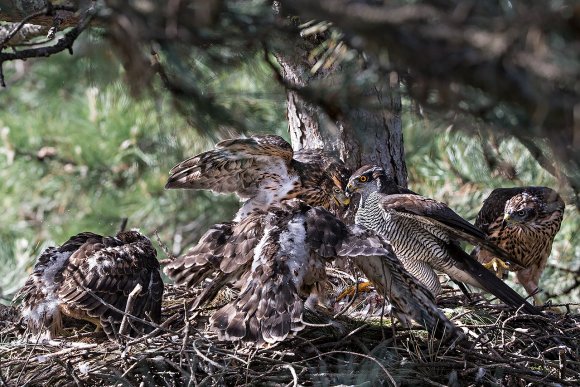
x=79, y=152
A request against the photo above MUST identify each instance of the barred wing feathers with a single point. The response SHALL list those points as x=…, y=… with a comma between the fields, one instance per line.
x=238, y=166
x=445, y=224
x=373, y=255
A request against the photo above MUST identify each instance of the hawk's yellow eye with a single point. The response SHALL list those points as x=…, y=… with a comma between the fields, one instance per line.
x=363, y=178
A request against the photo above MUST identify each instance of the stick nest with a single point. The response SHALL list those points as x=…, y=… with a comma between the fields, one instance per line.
x=504, y=348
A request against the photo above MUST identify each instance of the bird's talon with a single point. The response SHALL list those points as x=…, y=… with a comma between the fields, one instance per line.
x=497, y=266
x=350, y=291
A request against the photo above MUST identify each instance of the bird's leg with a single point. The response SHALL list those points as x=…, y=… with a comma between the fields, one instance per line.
x=539, y=300
x=351, y=290
x=526, y=278
x=498, y=266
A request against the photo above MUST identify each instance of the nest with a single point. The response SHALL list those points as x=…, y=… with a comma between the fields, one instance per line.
x=504, y=348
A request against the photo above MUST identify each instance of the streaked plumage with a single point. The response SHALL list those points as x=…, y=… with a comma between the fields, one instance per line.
x=276, y=258
x=109, y=267
x=263, y=171
x=424, y=234
x=523, y=221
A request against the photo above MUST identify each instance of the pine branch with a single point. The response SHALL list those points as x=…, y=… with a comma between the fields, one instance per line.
x=64, y=43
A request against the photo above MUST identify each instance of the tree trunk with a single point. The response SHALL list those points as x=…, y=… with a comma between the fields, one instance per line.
x=360, y=135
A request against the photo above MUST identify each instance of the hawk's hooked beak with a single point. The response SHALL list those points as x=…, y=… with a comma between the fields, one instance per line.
x=507, y=220
x=350, y=189
x=342, y=199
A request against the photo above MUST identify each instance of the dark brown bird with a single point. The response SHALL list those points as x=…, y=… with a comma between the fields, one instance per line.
x=424, y=234
x=277, y=257
x=523, y=221
x=88, y=276
x=263, y=170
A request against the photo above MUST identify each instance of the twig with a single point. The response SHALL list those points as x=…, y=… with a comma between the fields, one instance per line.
x=123, y=224
x=129, y=309
x=48, y=10
x=293, y=372
x=63, y=43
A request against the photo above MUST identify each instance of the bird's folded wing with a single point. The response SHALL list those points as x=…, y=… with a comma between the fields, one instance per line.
x=98, y=276
x=438, y=214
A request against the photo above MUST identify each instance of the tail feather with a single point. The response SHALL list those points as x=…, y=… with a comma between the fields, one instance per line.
x=485, y=279
x=269, y=307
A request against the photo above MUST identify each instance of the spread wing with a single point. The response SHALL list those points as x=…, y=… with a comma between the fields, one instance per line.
x=102, y=273
x=235, y=166
x=433, y=213
x=223, y=255
x=202, y=259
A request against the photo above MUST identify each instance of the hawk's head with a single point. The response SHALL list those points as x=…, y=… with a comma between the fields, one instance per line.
x=529, y=208
x=368, y=179
x=337, y=189
x=521, y=208
x=326, y=178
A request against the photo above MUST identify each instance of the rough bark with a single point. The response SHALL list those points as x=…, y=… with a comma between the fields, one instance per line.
x=360, y=135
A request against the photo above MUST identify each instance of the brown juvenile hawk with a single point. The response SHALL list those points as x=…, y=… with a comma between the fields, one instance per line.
x=75, y=279
x=263, y=170
x=424, y=234
x=276, y=257
x=523, y=221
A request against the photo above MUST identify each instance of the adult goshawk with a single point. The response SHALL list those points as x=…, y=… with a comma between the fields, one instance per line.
x=424, y=234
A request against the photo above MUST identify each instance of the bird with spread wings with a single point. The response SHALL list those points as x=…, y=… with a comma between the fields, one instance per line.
x=523, y=221
x=91, y=277
x=425, y=233
x=276, y=249
x=276, y=257
x=264, y=170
